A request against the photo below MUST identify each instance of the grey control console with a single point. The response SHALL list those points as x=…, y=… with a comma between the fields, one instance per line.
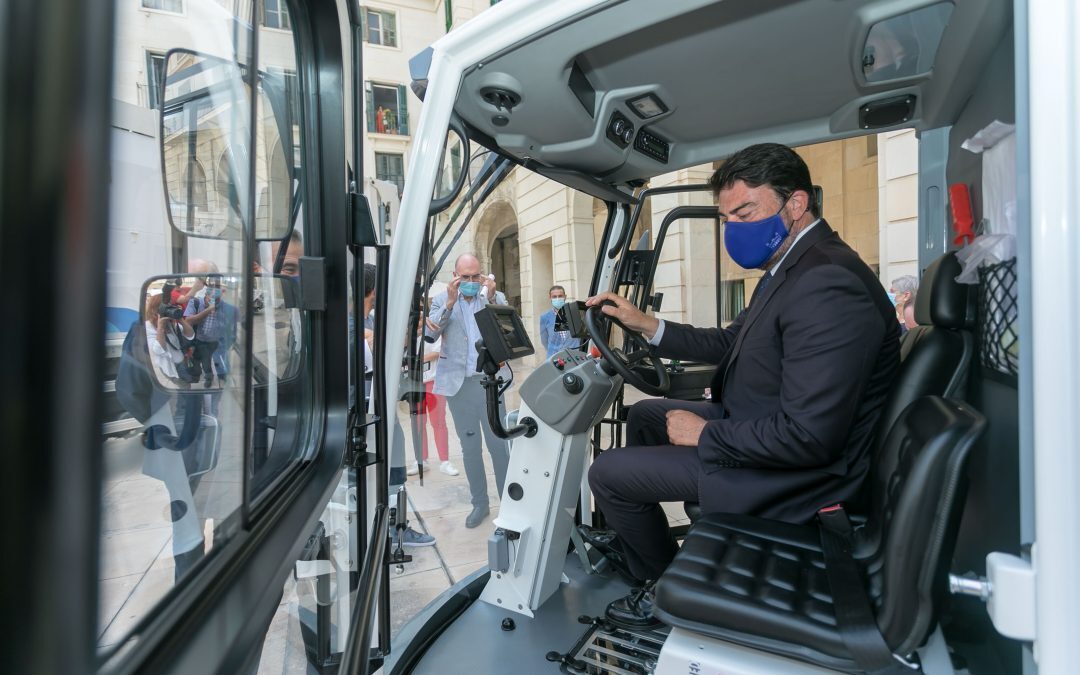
x=569, y=392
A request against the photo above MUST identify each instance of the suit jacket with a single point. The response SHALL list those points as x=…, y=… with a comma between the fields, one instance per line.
x=457, y=352
x=804, y=372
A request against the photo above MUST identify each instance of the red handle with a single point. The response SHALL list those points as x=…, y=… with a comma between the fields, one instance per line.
x=963, y=221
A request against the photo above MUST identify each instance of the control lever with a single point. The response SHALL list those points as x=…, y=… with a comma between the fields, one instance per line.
x=493, y=385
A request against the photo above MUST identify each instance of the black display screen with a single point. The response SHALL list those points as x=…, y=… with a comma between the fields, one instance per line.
x=503, y=333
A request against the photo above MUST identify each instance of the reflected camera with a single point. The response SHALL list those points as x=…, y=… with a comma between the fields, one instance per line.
x=170, y=311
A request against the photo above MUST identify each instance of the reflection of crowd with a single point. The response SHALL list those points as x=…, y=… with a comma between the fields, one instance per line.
x=191, y=329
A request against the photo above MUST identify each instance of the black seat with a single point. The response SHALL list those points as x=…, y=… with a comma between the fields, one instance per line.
x=764, y=583
x=935, y=355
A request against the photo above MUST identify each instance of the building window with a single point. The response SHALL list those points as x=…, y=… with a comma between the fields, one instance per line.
x=176, y=6
x=390, y=167
x=197, y=180
x=276, y=15
x=732, y=300
x=380, y=28
x=387, y=112
x=155, y=72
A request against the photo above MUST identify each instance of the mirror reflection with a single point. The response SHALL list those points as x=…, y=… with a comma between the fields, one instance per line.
x=191, y=325
x=206, y=142
x=205, y=130
x=448, y=180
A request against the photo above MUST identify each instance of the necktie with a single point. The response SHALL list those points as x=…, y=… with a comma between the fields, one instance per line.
x=760, y=290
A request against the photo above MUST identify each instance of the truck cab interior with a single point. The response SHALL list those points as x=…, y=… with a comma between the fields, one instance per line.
x=959, y=556
x=642, y=92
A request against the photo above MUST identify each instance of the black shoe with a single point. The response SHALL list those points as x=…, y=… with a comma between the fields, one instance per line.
x=476, y=516
x=635, y=610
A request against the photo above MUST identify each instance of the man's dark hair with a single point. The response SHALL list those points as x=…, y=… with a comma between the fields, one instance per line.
x=772, y=164
x=556, y=287
x=369, y=279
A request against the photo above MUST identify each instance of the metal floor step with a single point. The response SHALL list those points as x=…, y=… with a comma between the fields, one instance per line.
x=606, y=648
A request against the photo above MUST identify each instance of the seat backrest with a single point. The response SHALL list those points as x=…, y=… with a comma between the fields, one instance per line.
x=915, y=514
x=936, y=354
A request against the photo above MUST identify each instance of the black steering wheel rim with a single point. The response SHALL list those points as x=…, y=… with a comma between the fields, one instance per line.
x=618, y=361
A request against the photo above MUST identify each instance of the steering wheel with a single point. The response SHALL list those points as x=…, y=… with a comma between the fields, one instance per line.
x=597, y=324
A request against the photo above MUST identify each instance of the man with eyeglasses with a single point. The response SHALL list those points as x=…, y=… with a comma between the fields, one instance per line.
x=453, y=318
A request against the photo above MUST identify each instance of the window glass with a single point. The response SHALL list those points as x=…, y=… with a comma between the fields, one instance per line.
x=548, y=237
x=381, y=28
x=387, y=111
x=165, y=5
x=155, y=70
x=276, y=15
x=281, y=368
x=390, y=167
x=183, y=302
x=174, y=431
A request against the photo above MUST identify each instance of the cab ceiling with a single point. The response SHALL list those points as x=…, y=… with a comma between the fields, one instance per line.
x=730, y=73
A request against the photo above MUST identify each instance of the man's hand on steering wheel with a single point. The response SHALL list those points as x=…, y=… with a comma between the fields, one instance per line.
x=625, y=313
x=638, y=328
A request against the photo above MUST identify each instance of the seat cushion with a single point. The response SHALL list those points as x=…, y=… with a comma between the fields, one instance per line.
x=755, y=582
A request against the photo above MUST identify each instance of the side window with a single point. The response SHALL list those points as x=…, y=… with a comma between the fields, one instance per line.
x=199, y=340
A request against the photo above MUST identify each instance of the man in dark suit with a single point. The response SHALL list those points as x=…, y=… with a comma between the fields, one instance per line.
x=803, y=374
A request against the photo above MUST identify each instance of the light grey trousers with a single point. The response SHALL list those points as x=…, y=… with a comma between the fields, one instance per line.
x=468, y=408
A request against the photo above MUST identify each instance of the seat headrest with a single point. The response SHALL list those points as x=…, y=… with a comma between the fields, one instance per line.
x=941, y=300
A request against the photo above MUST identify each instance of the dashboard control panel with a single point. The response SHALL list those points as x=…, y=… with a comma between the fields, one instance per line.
x=620, y=130
x=652, y=145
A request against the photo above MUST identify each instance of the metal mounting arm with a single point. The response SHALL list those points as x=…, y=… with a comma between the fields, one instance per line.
x=493, y=386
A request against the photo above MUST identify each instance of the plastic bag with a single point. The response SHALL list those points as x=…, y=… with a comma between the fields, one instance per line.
x=987, y=249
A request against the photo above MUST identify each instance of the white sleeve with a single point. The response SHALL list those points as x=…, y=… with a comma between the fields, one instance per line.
x=656, y=338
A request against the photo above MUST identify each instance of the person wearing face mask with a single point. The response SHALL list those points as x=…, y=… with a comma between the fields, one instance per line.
x=802, y=377
x=553, y=333
x=902, y=296
x=453, y=319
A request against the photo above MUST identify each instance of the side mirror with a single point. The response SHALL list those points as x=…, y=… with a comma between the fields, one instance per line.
x=451, y=176
x=206, y=144
x=192, y=325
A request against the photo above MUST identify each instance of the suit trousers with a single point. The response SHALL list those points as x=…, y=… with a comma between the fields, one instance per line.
x=630, y=483
x=468, y=408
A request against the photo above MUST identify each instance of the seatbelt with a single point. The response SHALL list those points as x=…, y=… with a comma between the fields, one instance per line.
x=854, y=616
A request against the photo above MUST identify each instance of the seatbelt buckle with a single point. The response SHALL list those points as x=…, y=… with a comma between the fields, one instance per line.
x=835, y=519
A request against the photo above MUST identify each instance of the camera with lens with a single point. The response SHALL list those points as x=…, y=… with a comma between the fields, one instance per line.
x=170, y=311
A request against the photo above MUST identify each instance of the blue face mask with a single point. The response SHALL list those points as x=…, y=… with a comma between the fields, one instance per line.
x=558, y=303
x=469, y=288
x=750, y=244
x=892, y=298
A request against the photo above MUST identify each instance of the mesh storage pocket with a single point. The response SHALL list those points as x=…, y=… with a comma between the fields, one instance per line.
x=999, y=318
